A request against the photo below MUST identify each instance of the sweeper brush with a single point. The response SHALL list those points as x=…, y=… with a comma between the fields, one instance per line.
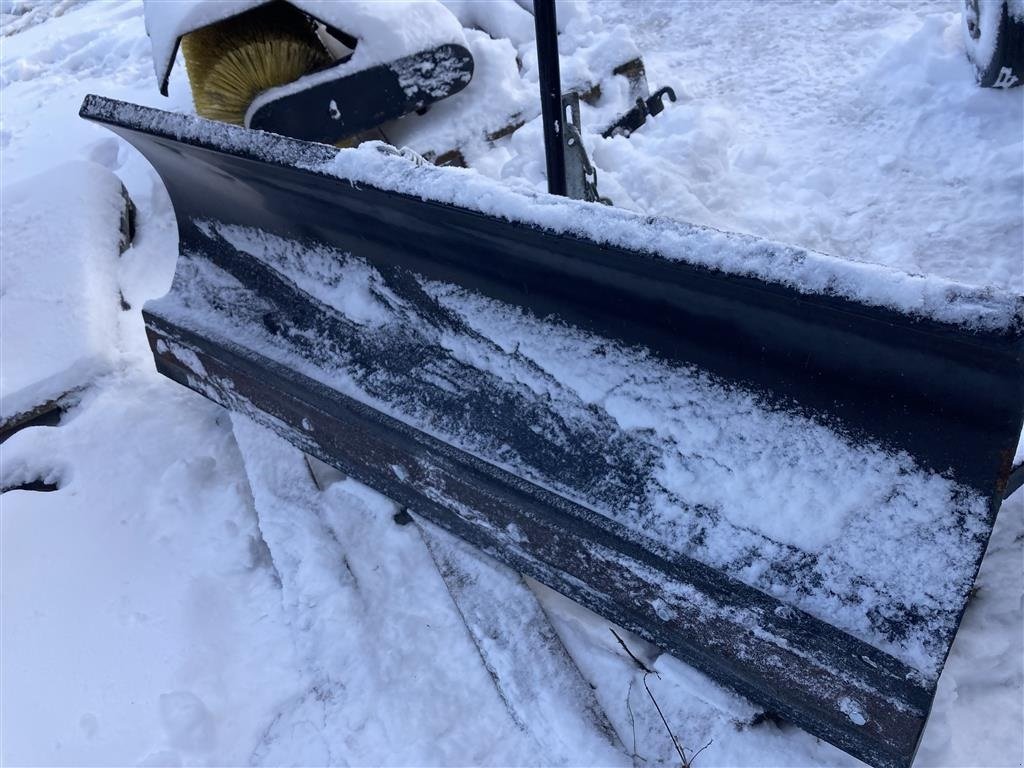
x=232, y=61
x=780, y=467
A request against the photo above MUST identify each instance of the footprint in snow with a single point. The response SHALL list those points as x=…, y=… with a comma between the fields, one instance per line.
x=186, y=721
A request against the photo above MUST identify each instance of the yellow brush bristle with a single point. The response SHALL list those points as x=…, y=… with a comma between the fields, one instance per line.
x=231, y=62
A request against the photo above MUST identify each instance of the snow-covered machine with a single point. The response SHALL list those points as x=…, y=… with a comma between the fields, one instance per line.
x=779, y=466
x=994, y=40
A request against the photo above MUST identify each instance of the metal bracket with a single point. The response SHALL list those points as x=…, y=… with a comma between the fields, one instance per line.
x=637, y=116
x=580, y=173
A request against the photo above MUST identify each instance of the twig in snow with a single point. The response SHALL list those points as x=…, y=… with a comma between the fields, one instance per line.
x=710, y=741
x=686, y=762
x=636, y=661
x=675, y=741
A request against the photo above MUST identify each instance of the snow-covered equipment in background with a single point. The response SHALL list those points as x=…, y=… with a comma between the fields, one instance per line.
x=290, y=68
x=341, y=73
x=994, y=38
x=371, y=96
x=781, y=467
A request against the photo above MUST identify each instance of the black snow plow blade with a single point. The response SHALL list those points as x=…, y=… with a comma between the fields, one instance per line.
x=779, y=467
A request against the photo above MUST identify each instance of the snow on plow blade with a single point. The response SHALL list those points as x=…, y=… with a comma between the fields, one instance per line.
x=780, y=467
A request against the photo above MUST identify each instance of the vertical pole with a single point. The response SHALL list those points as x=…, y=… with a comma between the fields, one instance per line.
x=550, y=93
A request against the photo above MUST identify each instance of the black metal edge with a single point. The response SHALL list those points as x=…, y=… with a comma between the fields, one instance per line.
x=802, y=678
x=47, y=414
x=170, y=65
x=284, y=152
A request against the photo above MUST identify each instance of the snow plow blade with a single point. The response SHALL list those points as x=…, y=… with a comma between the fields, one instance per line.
x=779, y=467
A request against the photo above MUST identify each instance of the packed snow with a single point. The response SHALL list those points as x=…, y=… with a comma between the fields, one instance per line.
x=67, y=274
x=188, y=596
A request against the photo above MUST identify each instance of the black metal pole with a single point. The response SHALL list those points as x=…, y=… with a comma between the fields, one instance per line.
x=550, y=93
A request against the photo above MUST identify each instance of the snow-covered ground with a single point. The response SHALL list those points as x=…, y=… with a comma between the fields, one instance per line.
x=186, y=597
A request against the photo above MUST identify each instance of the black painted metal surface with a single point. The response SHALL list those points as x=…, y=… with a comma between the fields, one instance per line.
x=880, y=373
x=550, y=80
x=635, y=118
x=949, y=396
x=339, y=109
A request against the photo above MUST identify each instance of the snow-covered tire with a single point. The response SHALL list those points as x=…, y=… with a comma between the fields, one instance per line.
x=994, y=36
